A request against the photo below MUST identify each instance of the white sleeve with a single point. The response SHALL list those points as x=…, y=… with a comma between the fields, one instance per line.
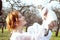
x=28, y=36
x=49, y=35
x=30, y=30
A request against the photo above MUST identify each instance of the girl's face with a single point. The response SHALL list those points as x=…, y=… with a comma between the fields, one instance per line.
x=22, y=20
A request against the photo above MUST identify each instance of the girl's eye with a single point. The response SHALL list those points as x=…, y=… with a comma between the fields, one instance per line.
x=20, y=16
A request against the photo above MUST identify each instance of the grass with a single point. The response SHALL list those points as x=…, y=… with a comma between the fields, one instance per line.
x=6, y=36
x=54, y=37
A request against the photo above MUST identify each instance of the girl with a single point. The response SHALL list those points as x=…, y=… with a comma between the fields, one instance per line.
x=15, y=22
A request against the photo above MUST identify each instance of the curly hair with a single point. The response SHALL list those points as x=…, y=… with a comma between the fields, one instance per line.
x=11, y=19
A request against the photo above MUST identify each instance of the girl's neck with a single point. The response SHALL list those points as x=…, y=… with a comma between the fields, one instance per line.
x=18, y=29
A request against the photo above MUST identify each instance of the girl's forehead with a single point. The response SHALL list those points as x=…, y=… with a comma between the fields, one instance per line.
x=19, y=14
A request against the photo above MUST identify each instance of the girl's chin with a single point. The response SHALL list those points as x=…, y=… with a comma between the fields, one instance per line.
x=25, y=23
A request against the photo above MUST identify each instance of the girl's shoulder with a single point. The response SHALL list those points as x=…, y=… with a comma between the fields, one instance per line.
x=15, y=36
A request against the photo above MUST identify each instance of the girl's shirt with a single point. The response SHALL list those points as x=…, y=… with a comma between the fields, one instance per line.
x=20, y=36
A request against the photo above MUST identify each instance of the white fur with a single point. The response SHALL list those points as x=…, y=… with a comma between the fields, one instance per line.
x=51, y=16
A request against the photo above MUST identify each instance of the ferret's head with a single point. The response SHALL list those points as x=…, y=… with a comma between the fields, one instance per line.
x=50, y=18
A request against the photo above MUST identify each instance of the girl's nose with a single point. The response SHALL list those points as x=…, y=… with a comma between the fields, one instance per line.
x=23, y=17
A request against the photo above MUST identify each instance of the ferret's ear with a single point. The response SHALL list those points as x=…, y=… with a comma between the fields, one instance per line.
x=46, y=12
